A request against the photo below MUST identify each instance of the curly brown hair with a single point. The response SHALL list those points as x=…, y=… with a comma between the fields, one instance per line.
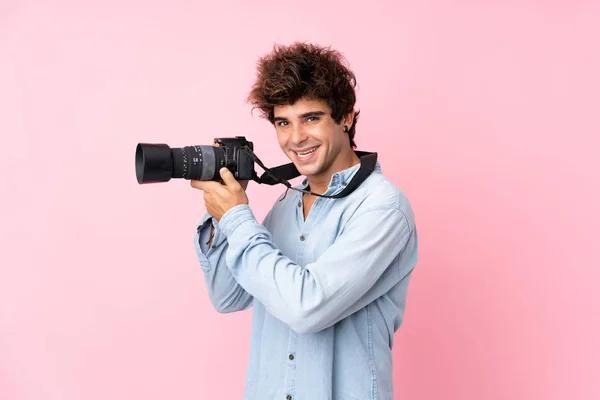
x=303, y=70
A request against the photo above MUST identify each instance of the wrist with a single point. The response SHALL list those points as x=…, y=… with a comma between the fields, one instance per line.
x=234, y=217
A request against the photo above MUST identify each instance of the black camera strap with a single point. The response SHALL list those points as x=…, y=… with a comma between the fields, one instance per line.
x=283, y=173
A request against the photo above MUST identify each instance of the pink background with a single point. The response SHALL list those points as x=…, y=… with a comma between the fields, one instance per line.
x=485, y=112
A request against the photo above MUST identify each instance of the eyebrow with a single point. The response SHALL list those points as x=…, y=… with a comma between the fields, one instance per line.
x=305, y=115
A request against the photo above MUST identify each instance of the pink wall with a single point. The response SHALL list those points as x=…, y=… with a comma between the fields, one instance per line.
x=485, y=113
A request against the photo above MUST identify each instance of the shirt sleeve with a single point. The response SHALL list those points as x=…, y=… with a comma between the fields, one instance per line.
x=312, y=297
x=204, y=237
x=225, y=294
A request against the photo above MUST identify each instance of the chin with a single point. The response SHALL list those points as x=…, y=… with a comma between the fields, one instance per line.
x=309, y=170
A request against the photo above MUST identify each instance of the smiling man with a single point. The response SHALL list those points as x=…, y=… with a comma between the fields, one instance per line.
x=327, y=272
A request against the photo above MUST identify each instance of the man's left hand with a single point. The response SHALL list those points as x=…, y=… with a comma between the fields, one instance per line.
x=221, y=197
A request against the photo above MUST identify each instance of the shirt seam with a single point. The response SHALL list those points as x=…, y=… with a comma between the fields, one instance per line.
x=383, y=208
x=371, y=357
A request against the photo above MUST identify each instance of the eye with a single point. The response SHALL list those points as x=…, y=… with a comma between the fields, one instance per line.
x=282, y=123
x=311, y=119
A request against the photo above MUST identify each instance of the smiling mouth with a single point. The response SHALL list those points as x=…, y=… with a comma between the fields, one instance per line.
x=306, y=152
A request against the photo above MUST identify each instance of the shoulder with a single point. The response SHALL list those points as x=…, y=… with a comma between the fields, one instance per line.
x=378, y=192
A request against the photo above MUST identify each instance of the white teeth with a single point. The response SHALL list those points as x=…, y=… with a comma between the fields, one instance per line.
x=307, y=152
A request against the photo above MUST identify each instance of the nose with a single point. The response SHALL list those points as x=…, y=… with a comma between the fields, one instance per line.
x=298, y=135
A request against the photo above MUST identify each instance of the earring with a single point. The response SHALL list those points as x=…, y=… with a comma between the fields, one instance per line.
x=346, y=128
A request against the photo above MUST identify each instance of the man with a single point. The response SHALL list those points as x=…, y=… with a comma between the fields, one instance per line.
x=327, y=277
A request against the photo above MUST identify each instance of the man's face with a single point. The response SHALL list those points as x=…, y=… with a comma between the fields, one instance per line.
x=311, y=139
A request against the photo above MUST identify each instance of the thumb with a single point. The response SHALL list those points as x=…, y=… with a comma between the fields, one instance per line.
x=227, y=177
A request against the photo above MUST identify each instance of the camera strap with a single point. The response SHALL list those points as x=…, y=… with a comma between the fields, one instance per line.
x=283, y=173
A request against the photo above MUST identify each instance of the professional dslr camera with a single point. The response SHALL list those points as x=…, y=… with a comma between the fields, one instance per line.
x=159, y=163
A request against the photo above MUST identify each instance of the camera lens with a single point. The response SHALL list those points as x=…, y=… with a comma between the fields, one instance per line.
x=200, y=163
x=159, y=163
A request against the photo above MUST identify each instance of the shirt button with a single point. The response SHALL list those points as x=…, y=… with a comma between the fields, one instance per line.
x=302, y=238
x=291, y=357
x=300, y=204
x=288, y=397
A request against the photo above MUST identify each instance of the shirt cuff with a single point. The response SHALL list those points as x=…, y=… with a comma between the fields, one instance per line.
x=204, y=237
x=235, y=217
x=203, y=234
x=201, y=251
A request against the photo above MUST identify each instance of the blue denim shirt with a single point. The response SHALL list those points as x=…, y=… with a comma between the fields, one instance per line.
x=327, y=293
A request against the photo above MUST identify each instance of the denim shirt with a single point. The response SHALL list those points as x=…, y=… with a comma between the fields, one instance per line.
x=327, y=293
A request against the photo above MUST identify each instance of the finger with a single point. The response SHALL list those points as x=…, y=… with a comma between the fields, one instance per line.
x=197, y=184
x=206, y=185
x=228, y=178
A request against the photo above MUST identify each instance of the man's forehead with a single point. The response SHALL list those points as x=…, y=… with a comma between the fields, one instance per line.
x=300, y=107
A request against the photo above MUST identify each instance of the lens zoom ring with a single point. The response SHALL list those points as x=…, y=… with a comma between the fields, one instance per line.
x=208, y=163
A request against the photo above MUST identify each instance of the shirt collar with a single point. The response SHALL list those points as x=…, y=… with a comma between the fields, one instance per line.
x=340, y=179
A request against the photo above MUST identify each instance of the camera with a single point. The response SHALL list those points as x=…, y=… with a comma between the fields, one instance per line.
x=157, y=162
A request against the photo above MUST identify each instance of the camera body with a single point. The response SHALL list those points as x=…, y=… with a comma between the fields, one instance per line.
x=236, y=160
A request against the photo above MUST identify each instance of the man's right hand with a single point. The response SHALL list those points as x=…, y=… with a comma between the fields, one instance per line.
x=243, y=184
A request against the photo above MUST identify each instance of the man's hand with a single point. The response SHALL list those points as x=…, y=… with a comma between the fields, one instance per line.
x=243, y=183
x=220, y=198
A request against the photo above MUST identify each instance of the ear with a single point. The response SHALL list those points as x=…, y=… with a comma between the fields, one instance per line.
x=348, y=119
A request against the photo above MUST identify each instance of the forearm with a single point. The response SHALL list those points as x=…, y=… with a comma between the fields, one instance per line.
x=225, y=293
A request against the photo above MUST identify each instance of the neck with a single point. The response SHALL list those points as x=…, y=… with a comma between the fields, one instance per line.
x=320, y=183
